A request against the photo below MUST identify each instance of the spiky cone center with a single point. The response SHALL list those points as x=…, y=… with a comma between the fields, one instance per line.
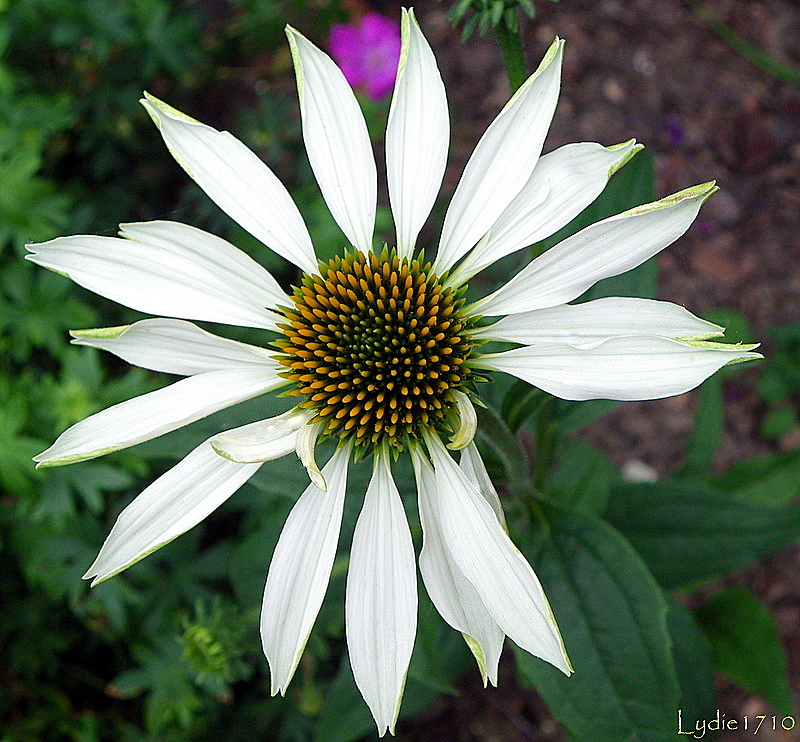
x=376, y=345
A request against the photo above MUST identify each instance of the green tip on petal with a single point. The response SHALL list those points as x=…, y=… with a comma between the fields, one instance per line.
x=634, y=150
x=154, y=106
x=98, y=332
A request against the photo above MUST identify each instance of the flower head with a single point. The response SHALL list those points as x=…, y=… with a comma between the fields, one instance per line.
x=367, y=53
x=380, y=350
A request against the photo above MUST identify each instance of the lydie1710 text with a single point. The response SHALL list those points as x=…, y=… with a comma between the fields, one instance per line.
x=719, y=722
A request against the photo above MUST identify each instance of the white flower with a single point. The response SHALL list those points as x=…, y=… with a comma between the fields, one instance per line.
x=381, y=352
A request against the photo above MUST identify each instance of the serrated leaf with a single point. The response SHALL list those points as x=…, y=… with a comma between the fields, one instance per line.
x=612, y=616
x=745, y=645
x=689, y=533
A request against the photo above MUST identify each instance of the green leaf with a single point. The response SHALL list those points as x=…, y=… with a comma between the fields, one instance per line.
x=690, y=533
x=772, y=480
x=745, y=646
x=612, y=616
x=709, y=425
x=582, y=477
x=692, y=656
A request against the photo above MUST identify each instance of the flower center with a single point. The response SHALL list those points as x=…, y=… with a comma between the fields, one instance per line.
x=376, y=345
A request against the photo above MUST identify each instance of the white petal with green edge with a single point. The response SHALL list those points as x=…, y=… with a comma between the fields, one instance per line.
x=487, y=557
x=155, y=413
x=300, y=570
x=562, y=185
x=606, y=248
x=172, y=346
x=236, y=180
x=502, y=162
x=596, y=320
x=625, y=368
x=180, y=282
x=381, y=602
x=170, y=506
x=417, y=136
x=474, y=469
x=452, y=594
x=261, y=441
x=336, y=140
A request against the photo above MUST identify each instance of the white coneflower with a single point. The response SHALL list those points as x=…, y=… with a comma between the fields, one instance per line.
x=381, y=352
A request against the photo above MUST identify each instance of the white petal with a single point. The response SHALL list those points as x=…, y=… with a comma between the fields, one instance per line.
x=591, y=321
x=300, y=570
x=504, y=581
x=607, y=248
x=261, y=441
x=624, y=368
x=237, y=181
x=190, y=277
x=336, y=140
x=453, y=595
x=417, y=135
x=172, y=346
x=467, y=422
x=502, y=162
x=219, y=256
x=155, y=413
x=381, y=602
x=501, y=576
x=562, y=185
x=474, y=469
x=170, y=506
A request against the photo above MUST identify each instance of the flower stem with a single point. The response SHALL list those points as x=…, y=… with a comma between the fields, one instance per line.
x=510, y=41
x=508, y=449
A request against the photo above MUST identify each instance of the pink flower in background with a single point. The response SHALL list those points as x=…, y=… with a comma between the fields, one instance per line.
x=368, y=53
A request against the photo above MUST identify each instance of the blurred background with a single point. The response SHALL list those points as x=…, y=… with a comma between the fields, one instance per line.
x=169, y=650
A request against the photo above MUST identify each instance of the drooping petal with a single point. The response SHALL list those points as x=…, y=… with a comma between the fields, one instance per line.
x=467, y=422
x=155, y=413
x=381, y=602
x=170, y=506
x=453, y=595
x=417, y=136
x=474, y=469
x=261, y=441
x=562, y=185
x=306, y=447
x=501, y=576
x=172, y=346
x=625, y=368
x=591, y=321
x=606, y=248
x=192, y=276
x=236, y=180
x=300, y=570
x=502, y=162
x=336, y=140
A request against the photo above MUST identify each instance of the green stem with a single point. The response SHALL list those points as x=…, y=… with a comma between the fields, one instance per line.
x=782, y=72
x=513, y=54
x=508, y=448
